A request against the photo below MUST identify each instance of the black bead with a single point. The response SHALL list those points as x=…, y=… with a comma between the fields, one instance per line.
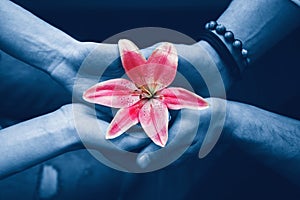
x=244, y=53
x=229, y=37
x=220, y=29
x=237, y=44
x=207, y=26
x=212, y=25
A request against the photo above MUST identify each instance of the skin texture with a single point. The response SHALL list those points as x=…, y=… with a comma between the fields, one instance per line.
x=259, y=21
x=27, y=147
x=271, y=138
x=256, y=32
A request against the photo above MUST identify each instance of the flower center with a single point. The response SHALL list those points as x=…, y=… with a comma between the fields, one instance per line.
x=146, y=93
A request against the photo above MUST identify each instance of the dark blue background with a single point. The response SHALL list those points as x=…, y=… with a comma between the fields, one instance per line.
x=271, y=83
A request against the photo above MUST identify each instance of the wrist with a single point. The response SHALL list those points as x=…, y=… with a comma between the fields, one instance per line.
x=66, y=134
x=65, y=65
x=233, y=45
x=34, y=141
x=249, y=126
x=224, y=71
x=69, y=56
x=78, y=52
x=233, y=119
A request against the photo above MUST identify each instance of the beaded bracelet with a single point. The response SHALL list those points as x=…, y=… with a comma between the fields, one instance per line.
x=229, y=38
x=217, y=44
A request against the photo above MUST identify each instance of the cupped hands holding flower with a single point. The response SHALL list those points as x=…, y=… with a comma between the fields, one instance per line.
x=146, y=99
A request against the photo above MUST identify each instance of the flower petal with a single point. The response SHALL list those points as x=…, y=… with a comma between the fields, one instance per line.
x=157, y=73
x=117, y=93
x=123, y=120
x=154, y=119
x=131, y=58
x=177, y=98
x=165, y=54
x=163, y=65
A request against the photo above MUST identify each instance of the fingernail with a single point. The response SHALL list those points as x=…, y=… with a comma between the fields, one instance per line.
x=143, y=161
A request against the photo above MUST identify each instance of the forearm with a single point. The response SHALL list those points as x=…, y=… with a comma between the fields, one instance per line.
x=29, y=143
x=269, y=137
x=32, y=40
x=260, y=24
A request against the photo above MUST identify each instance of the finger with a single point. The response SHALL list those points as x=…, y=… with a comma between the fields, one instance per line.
x=181, y=135
x=145, y=157
x=131, y=143
x=134, y=140
x=90, y=127
x=185, y=136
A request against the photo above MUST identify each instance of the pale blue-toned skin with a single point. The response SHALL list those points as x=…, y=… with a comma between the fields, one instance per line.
x=46, y=48
x=272, y=138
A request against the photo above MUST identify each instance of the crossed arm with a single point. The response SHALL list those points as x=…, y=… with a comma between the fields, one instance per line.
x=271, y=138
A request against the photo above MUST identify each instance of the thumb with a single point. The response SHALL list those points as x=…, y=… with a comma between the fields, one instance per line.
x=181, y=135
x=187, y=132
x=144, y=158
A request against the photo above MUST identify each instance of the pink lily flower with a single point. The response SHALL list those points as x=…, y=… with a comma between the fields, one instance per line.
x=145, y=99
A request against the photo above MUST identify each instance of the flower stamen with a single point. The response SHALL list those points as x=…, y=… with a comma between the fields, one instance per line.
x=145, y=92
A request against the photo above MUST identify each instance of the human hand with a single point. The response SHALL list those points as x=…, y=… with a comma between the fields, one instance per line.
x=193, y=134
x=42, y=46
x=271, y=138
x=188, y=70
x=202, y=67
x=91, y=129
x=72, y=127
x=86, y=65
x=43, y=93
